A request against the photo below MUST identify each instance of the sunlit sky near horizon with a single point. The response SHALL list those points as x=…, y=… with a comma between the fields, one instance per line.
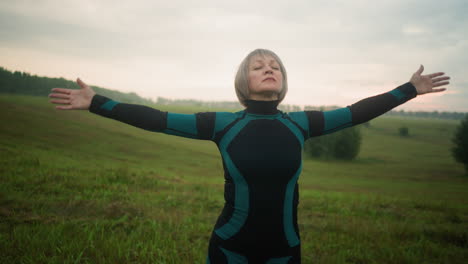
x=335, y=52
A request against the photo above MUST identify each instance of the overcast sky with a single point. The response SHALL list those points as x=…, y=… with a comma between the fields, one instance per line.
x=335, y=52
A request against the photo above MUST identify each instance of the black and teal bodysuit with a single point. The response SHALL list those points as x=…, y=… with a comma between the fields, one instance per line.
x=261, y=149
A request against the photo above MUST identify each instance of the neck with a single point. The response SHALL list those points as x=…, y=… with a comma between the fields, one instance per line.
x=265, y=96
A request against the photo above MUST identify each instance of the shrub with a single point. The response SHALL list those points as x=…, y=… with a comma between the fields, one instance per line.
x=404, y=131
x=344, y=144
x=460, y=141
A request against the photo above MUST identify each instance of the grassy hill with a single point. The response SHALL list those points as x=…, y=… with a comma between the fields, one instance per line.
x=79, y=188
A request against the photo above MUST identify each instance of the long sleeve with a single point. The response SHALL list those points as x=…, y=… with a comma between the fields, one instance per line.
x=197, y=126
x=316, y=123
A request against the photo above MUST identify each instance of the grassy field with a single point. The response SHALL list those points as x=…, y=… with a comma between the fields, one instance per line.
x=79, y=188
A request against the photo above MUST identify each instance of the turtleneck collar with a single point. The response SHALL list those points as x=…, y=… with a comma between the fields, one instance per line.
x=262, y=107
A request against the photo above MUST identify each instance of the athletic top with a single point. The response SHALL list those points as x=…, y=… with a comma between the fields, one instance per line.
x=261, y=150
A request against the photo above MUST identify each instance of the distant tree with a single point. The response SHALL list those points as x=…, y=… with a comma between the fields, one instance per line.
x=460, y=141
x=344, y=144
x=24, y=83
x=404, y=131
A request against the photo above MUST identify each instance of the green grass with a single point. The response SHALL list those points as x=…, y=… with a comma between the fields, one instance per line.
x=79, y=188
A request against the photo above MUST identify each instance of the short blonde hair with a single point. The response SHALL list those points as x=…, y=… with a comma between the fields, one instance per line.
x=242, y=77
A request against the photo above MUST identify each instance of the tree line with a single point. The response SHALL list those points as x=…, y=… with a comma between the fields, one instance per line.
x=433, y=114
x=24, y=83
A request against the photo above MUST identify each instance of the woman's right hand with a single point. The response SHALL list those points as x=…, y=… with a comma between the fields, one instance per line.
x=72, y=99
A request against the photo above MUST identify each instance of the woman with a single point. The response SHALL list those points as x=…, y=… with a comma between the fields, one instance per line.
x=260, y=148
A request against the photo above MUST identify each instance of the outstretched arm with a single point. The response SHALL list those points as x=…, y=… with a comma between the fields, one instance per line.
x=324, y=122
x=198, y=125
x=372, y=107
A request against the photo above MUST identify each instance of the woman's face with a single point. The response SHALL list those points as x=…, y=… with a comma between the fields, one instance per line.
x=265, y=77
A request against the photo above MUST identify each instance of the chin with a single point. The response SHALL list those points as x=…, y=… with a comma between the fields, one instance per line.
x=269, y=90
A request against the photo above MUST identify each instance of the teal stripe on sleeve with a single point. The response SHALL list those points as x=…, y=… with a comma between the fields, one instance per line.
x=109, y=105
x=181, y=124
x=337, y=119
x=399, y=95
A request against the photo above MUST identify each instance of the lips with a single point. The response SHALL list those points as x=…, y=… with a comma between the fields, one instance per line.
x=269, y=79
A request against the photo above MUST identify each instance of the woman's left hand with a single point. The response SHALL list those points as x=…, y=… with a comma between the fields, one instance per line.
x=426, y=83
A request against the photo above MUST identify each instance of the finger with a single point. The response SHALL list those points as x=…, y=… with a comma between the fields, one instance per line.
x=64, y=107
x=81, y=83
x=62, y=90
x=438, y=90
x=420, y=70
x=440, y=79
x=60, y=101
x=440, y=84
x=432, y=75
x=59, y=95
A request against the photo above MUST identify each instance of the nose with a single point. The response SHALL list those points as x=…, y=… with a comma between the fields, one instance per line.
x=268, y=70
